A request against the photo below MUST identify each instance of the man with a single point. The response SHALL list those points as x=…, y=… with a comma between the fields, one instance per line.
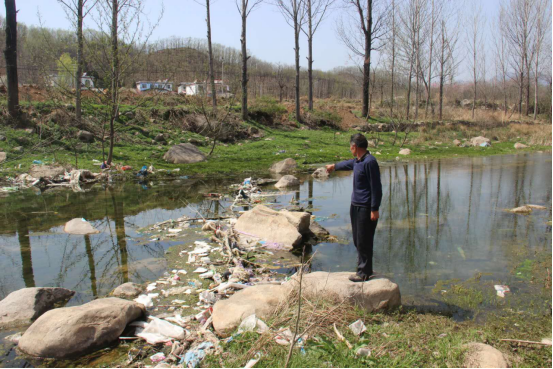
x=365, y=202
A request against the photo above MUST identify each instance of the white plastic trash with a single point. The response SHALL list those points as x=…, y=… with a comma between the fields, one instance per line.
x=200, y=270
x=501, y=289
x=161, y=331
x=253, y=324
x=357, y=327
x=207, y=275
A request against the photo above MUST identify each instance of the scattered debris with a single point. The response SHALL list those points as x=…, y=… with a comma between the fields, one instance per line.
x=501, y=290
x=253, y=324
x=358, y=327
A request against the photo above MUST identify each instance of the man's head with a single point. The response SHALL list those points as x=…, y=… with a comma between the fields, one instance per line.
x=358, y=145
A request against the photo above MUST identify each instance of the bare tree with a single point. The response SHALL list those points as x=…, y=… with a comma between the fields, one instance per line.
x=245, y=8
x=316, y=12
x=10, y=53
x=543, y=22
x=434, y=16
x=519, y=24
x=210, y=50
x=361, y=34
x=501, y=62
x=75, y=10
x=294, y=12
x=475, y=46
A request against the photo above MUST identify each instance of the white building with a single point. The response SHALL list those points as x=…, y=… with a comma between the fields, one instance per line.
x=204, y=88
x=161, y=86
x=69, y=81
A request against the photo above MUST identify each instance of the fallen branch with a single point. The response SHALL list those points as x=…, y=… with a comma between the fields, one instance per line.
x=529, y=342
x=341, y=337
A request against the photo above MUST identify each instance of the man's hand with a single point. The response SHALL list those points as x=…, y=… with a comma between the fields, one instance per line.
x=330, y=168
x=374, y=215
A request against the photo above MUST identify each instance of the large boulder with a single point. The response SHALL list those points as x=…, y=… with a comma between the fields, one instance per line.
x=280, y=228
x=264, y=300
x=184, y=153
x=480, y=355
x=405, y=152
x=261, y=300
x=284, y=166
x=480, y=140
x=2, y=156
x=79, y=226
x=85, y=136
x=373, y=295
x=25, y=305
x=320, y=173
x=127, y=290
x=73, y=331
x=49, y=171
x=287, y=181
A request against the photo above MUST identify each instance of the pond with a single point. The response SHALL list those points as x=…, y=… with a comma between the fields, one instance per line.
x=440, y=220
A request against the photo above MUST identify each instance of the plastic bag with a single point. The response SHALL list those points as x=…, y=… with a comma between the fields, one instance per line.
x=357, y=327
x=253, y=324
x=161, y=331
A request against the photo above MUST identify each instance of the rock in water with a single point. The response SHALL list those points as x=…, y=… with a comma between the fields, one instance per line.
x=39, y=171
x=521, y=210
x=127, y=290
x=519, y=146
x=184, y=153
x=480, y=355
x=477, y=141
x=284, y=166
x=85, y=136
x=25, y=305
x=317, y=230
x=71, y=331
x=280, y=228
x=405, y=152
x=261, y=300
x=79, y=226
x=320, y=173
x=287, y=181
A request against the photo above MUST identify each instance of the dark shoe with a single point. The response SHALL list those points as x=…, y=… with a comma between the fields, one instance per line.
x=357, y=278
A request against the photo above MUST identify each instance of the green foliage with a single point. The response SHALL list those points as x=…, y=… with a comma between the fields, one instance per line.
x=66, y=71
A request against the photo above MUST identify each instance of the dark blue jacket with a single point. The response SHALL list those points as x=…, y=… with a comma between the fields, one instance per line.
x=367, y=188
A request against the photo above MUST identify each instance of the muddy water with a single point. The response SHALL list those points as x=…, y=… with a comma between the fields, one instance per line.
x=440, y=220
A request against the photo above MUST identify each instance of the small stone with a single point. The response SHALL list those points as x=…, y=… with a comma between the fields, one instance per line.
x=79, y=226
x=405, y=152
x=321, y=173
x=363, y=352
x=287, y=181
x=284, y=166
x=127, y=290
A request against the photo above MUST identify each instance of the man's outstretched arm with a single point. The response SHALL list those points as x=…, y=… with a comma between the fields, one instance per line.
x=343, y=165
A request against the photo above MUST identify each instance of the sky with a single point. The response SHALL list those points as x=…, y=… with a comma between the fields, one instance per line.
x=269, y=37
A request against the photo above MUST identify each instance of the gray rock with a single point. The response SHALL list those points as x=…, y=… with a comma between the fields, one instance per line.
x=127, y=290
x=49, y=171
x=318, y=230
x=160, y=138
x=281, y=228
x=73, y=331
x=25, y=305
x=184, y=153
x=480, y=355
x=196, y=142
x=79, y=226
x=287, y=181
x=2, y=156
x=85, y=136
x=320, y=173
x=284, y=166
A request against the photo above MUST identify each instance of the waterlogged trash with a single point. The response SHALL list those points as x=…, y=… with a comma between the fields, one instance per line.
x=284, y=336
x=207, y=275
x=158, y=331
x=146, y=300
x=501, y=290
x=160, y=356
x=151, y=287
x=208, y=297
x=485, y=144
x=461, y=252
x=358, y=327
x=200, y=270
x=253, y=324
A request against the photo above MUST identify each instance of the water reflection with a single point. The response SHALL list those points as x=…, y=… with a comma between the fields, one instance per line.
x=439, y=220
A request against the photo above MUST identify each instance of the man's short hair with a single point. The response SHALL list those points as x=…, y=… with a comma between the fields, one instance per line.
x=359, y=140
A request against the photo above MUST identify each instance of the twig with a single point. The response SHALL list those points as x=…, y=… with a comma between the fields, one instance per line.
x=529, y=342
x=293, y=343
x=341, y=337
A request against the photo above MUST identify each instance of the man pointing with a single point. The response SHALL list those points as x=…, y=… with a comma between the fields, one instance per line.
x=365, y=202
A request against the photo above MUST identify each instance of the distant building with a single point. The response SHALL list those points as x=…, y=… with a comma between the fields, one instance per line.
x=69, y=81
x=160, y=86
x=204, y=88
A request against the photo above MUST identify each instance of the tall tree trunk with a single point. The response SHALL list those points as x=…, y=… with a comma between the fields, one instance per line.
x=442, y=62
x=393, y=57
x=114, y=76
x=429, y=86
x=418, y=66
x=409, y=86
x=521, y=86
x=536, y=85
x=10, y=53
x=244, y=63
x=297, y=51
x=367, y=61
x=310, y=57
x=79, y=72
x=210, y=50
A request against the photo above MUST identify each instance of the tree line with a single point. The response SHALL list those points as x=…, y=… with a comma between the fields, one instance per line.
x=408, y=54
